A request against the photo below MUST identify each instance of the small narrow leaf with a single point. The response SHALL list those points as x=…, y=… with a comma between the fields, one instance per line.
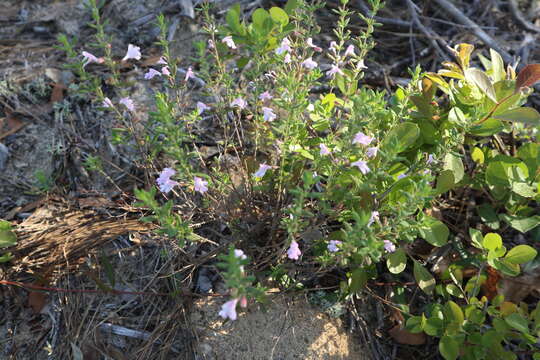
x=529, y=75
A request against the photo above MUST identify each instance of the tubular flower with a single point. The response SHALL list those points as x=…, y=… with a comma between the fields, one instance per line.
x=200, y=185
x=128, y=103
x=374, y=216
x=228, y=310
x=133, y=52
x=294, y=251
x=389, y=246
x=333, y=245
x=164, y=180
x=239, y=103
x=309, y=64
x=263, y=168
x=362, y=166
x=151, y=73
x=362, y=139
x=268, y=114
x=229, y=41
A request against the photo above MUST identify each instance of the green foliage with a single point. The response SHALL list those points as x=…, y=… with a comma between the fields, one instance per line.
x=7, y=238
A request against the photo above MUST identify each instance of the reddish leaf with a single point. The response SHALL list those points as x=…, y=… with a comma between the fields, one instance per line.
x=528, y=76
x=403, y=336
x=57, y=93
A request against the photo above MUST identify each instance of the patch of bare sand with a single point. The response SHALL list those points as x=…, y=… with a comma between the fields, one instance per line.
x=288, y=329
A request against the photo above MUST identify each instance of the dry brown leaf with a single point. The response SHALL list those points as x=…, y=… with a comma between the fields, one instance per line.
x=57, y=93
x=403, y=336
x=37, y=301
x=10, y=124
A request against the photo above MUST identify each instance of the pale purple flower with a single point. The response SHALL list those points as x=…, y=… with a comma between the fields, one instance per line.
x=89, y=58
x=374, y=216
x=133, y=52
x=309, y=43
x=362, y=139
x=333, y=46
x=200, y=185
x=362, y=166
x=309, y=64
x=263, y=168
x=294, y=251
x=361, y=65
x=349, y=51
x=240, y=254
x=210, y=44
x=162, y=61
x=333, y=245
x=324, y=150
x=334, y=70
x=164, y=180
x=389, y=246
x=151, y=73
x=202, y=107
x=371, y=152
x=127, y=102
x=287, y=59
x=229, y=41
x=189, y=74
x=401, y=176
x=430, y=160
x=165, y=71
x=265, y=96
x=268, y=114
x=285, y=46
x=107, y=103
x=239, y=102
x=228, y=310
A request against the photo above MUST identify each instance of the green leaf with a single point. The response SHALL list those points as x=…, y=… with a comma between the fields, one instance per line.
x=291, y=6
x=7, y=236
x=530, y=154
x=454, y=163
x=414, y=324
x=526, y=115
x=492, y=241
x=454, y=313
x=357, y=280
x=523, y=189
x=488, y=216
x=497, y=66
x=518, y=322
x=482, y=81
x=233, y=19
x=457, y=117
x=445, y=181
x=476, y=238
x=402, y=137
x=489, y=127
x=521, y=254
x=433, y=326
x=522, y=224
x=279, y=15
x=449, y=348
x=6, y=257
x=396, y=261
x=477, y=155
x=258, y=18
x=423, y=277
x=505, y=267
x=435, y=232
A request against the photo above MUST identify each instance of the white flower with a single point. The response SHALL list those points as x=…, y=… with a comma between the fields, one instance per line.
x=374, y=216
x=349, y=51
x=229, y=41
x=284, y=47
x=362, y=166
x=133, y=52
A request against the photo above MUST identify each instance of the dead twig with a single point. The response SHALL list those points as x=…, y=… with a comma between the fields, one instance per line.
x=478, y=32
x=520, y=19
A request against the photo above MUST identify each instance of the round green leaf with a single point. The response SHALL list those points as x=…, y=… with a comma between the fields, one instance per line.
x=492, y=241
x=436, y=233
x=279, y=16
x=423, y=277
x=396, y=261
x=449, y=348
x=518, y=322
x=454, y=313
x=521, y=254
x=454, y=164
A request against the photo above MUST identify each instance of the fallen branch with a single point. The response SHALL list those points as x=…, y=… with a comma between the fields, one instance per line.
x=478, y=32
x=520, y=19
